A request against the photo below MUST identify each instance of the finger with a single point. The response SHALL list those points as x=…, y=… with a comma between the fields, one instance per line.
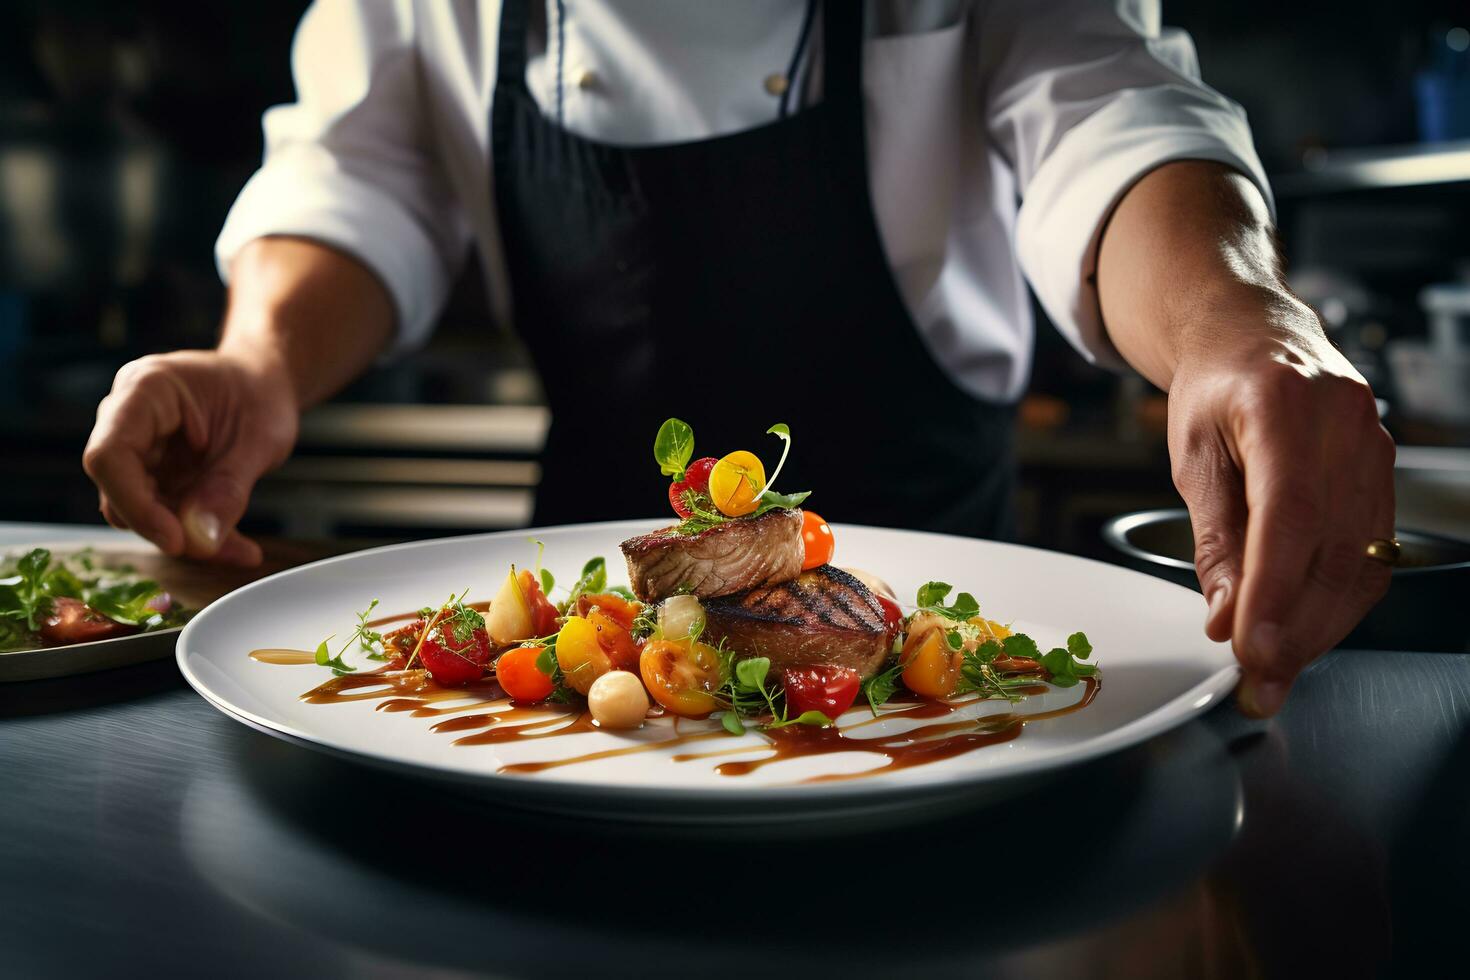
x=109, y=514
x=1287, y=516
x=132, y=496
x=1211, y=487
x=218, y=500
x=1373, y=577
x=239, y=550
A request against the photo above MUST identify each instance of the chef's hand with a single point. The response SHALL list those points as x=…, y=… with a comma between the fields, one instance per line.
x=1273, y=437
x=1277, y=449
x=183, y=438
x=180, y=443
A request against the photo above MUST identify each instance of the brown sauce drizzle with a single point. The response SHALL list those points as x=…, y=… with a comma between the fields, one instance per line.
x=497, y=720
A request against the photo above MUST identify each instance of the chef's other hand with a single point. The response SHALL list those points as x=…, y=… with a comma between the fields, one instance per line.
x=1277, y=449
x=1273, y=437
x=180, y=443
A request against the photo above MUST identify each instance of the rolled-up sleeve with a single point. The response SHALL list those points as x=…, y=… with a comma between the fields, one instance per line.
x=350, y=164
x=1083, y=98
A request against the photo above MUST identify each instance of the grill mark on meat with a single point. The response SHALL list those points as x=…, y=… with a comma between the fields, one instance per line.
x=824, y=616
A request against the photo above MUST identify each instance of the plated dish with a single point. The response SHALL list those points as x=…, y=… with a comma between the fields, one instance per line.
x=736, y=649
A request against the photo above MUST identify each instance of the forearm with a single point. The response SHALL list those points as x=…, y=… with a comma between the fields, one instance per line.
x=305, y=311
x=1188, y=264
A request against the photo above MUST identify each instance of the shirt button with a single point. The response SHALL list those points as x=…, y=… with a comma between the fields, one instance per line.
x=776, y=84
x=585, y=78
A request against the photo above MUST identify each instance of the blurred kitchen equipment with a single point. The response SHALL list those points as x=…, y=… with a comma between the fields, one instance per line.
x=1442, y=86
x=1432, y=378
x=1425, y=608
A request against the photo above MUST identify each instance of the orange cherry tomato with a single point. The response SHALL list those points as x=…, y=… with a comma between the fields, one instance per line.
x=816, y=535
x=543, y=613
x=615, y=640
x=931, y=668
x=519, y=676
x=681, y=676
x=615, y=607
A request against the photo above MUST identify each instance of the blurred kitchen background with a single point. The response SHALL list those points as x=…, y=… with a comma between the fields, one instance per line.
x=127, y=128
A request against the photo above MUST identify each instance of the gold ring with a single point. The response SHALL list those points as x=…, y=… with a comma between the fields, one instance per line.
x=1385, y=550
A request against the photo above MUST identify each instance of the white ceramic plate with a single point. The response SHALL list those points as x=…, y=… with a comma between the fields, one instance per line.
x=1158, y=671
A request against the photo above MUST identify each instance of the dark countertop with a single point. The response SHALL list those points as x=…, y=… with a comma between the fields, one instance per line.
x=144, y=833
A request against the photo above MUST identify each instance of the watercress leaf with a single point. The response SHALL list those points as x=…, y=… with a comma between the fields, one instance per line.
x=673, y=447
x=60, y=581
x=33, y=563
x=126, y=602
x=879, y=688
x=547, y=580
x=623, y=591
x=322, y=653
x=732, y=723
x=1078, y=646
x=546, y=660
x=987, y=652
x=965, y=606
x=812, y=718
x=1056, y=662
x=954, y=639
x=1064, y=680
x=752, y=671
x=1020, y=645
x=933, y=593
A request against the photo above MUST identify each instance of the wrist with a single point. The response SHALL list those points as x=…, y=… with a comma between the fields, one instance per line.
x=1235, y=322
x=262, y=357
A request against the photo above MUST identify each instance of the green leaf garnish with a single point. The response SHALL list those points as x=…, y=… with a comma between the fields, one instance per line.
x=592, y=581
x=127, y=602
x=879, y=688
x=931, y=599
x=673, y=447
x=815, y=718
x=732, y=723
x=324, y=658
x=783, y=432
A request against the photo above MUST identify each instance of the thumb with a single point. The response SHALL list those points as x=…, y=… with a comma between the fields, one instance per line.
x=215, y=505
x=1215, y=494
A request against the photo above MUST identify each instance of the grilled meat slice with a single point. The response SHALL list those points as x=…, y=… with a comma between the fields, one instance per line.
x=824, y=616
x=728, y=558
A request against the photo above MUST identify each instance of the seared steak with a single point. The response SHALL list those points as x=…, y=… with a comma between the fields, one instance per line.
x=824, y=616
x=729, y=557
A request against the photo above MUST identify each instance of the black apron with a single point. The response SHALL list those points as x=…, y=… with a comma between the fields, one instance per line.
x=733, y=282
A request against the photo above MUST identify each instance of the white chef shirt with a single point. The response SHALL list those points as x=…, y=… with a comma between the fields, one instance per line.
x=1000, y=134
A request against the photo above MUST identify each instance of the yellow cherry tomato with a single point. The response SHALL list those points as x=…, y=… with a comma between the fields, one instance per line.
x=734, y=481
x=682, y=676
x=931, y=668
x=579, y=655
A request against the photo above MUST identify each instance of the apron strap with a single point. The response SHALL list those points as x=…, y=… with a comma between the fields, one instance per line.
x=842, y=52
x=510, y=63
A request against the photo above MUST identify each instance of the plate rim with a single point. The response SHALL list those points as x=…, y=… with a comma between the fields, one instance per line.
x=1197, y=699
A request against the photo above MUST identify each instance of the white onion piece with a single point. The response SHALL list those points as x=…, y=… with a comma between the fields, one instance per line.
x=678, y=616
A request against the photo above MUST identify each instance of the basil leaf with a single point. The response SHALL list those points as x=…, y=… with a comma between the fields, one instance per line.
x=771, y=500
x=672, y=447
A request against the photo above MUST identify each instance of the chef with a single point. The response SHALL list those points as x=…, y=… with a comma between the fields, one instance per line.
x=821, y=213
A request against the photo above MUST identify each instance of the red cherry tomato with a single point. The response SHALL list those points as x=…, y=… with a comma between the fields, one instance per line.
x=696, y=478
x=830, y=690
x=892, y=615
x=519, y=676
x=543, y=613
x=816, y=534
x=73, y=621
x=451, y=662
